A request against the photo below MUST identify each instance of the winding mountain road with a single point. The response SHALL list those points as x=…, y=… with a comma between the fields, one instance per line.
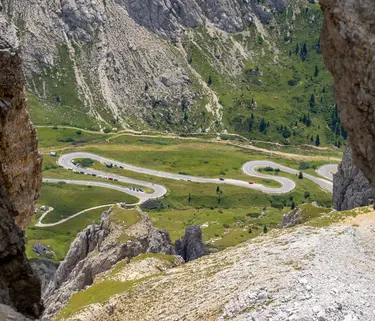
x=249, y=168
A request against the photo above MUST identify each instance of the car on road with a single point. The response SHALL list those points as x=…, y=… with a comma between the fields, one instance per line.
x=82, y=172
x=115, y=179
x=62, y=182
x=189, y=180
x=70, y=168
x=221, y=178
x=251, y=182
x=141, y=190
x=110, y=178
x=122, y=167
x=93, y=175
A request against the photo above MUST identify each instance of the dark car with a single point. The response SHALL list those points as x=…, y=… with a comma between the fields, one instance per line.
x=221, y=178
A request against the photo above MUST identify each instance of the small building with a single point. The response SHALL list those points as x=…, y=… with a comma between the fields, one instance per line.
x=53, y=154
x=39, y=248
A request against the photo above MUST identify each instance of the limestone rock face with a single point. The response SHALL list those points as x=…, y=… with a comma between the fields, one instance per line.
x=127, y=60
x=351, y=188
x=347, y=41
x=191, y=247
x=96, y=250
x=20, y=167
x=20, y=180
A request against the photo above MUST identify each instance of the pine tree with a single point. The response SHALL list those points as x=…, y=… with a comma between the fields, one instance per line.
x=209, y=82
x=316, y=73
x=312, y=103
x=297, y=49
x=300, y=175
x=308, y=121
x=317, y=140
x=304, y=52
x=263, y=125
x=265, y=229
x=292, y=206
x=217, y=189
x=189, y=198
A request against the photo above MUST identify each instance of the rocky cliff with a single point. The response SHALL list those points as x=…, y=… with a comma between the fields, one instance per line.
x=20, y=167
x=20, y=180
x=347, y=41
x=120, y=236
x=351, y=188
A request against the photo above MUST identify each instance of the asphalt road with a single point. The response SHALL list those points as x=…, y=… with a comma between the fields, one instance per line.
x=249, y=168
x=327, y=171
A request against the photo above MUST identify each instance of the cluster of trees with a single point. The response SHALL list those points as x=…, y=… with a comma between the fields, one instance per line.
x=284, y=131
x=335, y=124
x=305, y=119
x=313, y=139
x=263, y=126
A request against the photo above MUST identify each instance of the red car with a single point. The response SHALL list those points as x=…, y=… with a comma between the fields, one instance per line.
x=251, y=182
x=110, y=178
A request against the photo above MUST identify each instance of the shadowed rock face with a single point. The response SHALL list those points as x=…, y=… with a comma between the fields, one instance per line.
x=191, y=247
x=351, y=189
x=20, y=161
x=20, y=181
x=347, y=41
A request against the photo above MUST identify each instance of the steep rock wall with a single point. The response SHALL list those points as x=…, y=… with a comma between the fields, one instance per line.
x=351, y=188
x=20, y=165
x=20, y=180
x=348, y=39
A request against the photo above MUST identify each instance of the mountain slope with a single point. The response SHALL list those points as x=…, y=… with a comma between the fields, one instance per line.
x=283, y=276
x=187, y=67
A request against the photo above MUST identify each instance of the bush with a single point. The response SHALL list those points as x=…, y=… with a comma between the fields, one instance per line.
x=86, y=162
x=306, y=165
x=79, y=132
x=307, y=194
x=107, y=130
x=151, y=204
x=225, y=225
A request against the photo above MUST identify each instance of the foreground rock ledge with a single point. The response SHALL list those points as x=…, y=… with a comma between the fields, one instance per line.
x=303, y=273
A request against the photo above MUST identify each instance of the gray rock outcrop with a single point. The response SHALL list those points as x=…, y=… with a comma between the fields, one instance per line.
x=96, y=250
x=347, y=42
x=351, y=188
x=191, y=247
x=292, y=218
x=45, y=269
x=20, y=180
